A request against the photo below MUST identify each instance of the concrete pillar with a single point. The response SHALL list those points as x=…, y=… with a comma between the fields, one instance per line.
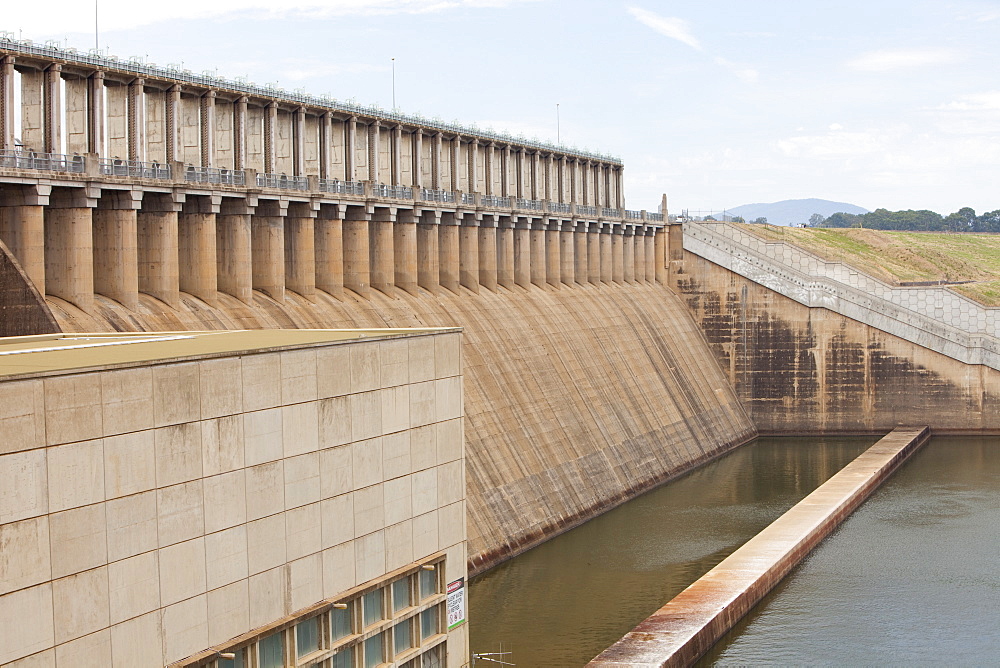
x=539, y=275
x=488, y=253
x=267, y=243
x=380, y=248
x=404, y=244
x=567, y=253
x=574, y=172
x=505, y=252
x=594, y=252
x=240, y=131
x=456, y=160
x=436, y=161
x=650, y=255
x=468, y=272
x=617, y=254
x=675, y=251
x=33, y=110
x=159, y=254
x=329, y=244
x=520, y=173
x=549, y=169
x=505, y=172
x=75, y=120
x=491, y=154
x=116, y=245
x=536, y=187
x=175, y=149
x=607, y=253
x=136, y=112
x=325, y=145
x=69, y=247
x=585, y=183
x=473, y=167
x=660, y=256
x=357, y=257
x=628, y=254
x=428, y=251
x=271, y=137
x=417, y=168
x=197, y=240
x=522, y=252
x=234, y=258
x=449, y=251
x=553, y=253
x=397, y=155
x=300, y=250
x=560, y=179
x=374, y=144
x=299, y=142
x=22, y=227
x=6, y=102
x=580, y=252
x=350, y=148
x=53, y=108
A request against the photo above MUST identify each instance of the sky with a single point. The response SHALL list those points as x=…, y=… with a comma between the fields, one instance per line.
x=878, y=103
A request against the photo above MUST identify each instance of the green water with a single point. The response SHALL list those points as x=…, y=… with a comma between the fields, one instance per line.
x=563, y=602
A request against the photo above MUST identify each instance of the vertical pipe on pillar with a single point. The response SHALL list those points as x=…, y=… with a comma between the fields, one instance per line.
x=520, y=173
x=267, y=244
x=585, y=183
x=581, y=253
x=135, y=111
x=436, y=162
x=374, y=149
x=357, y=258
x=173, y=118
x=207, y=128
x=619, y=195
x=397, y=155
x=240, y=133
x=535, y=190
x=573, y=171
x=197, y=242
x=299, y=142
x=561, y=179
x=404, y=243
x=491, y=154
x=234, y=259
x=488, y=253
x=69, y=248
x=417, y=168
x=553, y=248
x=617, y=254
x=549, y=168
x=271, y=137
x=350, y=148
x=660, y=255
x=329, y=244
x=428, y=252
x=538, y=254
x=468, y=260
x=505, y=251
x=380, y=249
x=522, y=251
x=594, y=252
x=116, y=242
x=53, y=108
x=505, y=172
x=473, y=166
x=607, y=252
x=456, y=159
x=628, y=254
x=7, y=103
x=449, y=251
x=159, y=255
x=300, y=250
x=567, y=253
x=325, y=145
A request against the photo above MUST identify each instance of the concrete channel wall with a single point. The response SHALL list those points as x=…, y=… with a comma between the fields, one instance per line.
x=685, y=628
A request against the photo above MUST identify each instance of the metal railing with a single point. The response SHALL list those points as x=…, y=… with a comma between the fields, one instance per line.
x=429, y=195
x=339, y=187
x=282, y=181
x=631, y=214
x=529, y=204
x=607, y=212
x=558, y=207
x=49, y=162
x=273, y=92
x=469, y=198
x=394, y=192
x=656, y=217
x=495, y=201
x=586, y=210
x=136, y=168
x=226, y=177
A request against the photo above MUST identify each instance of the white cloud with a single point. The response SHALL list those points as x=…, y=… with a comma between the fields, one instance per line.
x=988, y=101
x=744, y=72
x=888, y=60
x=833, y=144
x=836, y=126
x=668, y=26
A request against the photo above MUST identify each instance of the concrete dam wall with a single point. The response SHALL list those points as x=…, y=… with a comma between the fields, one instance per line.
x=575, y=398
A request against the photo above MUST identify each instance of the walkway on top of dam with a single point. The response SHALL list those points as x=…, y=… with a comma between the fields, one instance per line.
x=936, y=318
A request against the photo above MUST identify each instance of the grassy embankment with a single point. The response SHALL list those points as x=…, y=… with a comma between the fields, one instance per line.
x=896, y=257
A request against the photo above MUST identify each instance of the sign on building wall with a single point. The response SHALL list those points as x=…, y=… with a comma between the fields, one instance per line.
x=456, y=603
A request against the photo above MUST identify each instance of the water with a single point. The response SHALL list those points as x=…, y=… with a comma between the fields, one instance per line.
x=911, y=578
x=563, y=602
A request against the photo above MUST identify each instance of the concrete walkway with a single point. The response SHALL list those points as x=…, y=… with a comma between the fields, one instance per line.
x=685, y=628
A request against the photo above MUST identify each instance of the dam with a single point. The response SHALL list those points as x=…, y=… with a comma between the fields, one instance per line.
x=528, y=354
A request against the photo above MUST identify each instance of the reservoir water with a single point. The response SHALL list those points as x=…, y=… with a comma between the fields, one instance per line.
x=563, y=602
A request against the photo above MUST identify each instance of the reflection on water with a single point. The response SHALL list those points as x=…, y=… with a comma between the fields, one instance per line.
x=563, y=602
x=912, y=578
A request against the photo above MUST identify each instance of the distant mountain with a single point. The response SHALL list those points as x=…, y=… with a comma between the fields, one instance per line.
x=793, y=211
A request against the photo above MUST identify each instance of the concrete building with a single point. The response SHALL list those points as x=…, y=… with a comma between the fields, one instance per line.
x=289, y=498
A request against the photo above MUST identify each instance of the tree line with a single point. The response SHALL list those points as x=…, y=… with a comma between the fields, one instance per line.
x=963, y=220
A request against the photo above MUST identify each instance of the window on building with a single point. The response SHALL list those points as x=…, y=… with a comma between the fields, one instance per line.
x=340, y=623
x=430, y=622
x=375, y=650
x=434, y=658
x=271, y=651
x=307, y=636
x=401, y=595
x=402, y=637
x=344, y=658
x=428, y=583
x=238, y=662
x=373, y=605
